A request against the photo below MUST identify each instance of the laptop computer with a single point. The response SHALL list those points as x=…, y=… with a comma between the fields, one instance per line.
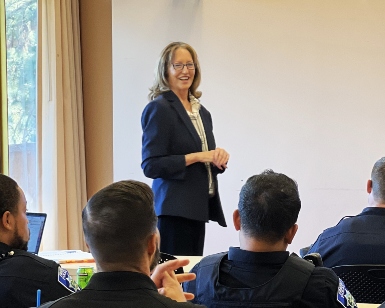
x=36, y=227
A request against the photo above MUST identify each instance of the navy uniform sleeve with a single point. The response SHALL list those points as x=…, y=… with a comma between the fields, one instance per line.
x=157, y=159
x=315, y=246
x=325, y=289
x=190, y=286
x=60, y=284
x=25, y=273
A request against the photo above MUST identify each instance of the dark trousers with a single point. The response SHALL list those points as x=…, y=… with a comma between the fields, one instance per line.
x=181, y=236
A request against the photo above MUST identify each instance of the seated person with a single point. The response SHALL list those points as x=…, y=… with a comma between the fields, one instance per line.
x=261, y=272
x=358, y=239
x=119, y=225
x=23, y=273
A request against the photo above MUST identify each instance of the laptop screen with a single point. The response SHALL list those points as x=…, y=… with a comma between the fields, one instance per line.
x=36, y=226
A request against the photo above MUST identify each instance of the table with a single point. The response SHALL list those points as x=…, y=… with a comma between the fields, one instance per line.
x=362, y=305
x=193, y=260
x=73, y=267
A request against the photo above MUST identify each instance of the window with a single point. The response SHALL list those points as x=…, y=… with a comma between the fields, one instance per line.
x=21, y=43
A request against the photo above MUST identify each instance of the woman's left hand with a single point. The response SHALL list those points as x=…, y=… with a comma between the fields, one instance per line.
x=221, y=158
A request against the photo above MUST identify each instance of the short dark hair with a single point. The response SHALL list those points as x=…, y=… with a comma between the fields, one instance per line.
x=378, y=180
x=9, y=195
x=269, y=205
x=118, y=220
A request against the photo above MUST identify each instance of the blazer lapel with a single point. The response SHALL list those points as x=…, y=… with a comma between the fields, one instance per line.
x=208, y=130
x=181, y=111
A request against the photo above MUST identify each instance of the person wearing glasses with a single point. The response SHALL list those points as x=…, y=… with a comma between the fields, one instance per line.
x=180, y=154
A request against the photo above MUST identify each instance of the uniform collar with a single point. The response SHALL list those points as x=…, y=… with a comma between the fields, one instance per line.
x=120, y=281
x=4, y=248
x=372, y=210
x=245, y=256
x=5, y=251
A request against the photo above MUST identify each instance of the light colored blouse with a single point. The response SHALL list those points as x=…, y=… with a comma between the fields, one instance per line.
x=198, y=124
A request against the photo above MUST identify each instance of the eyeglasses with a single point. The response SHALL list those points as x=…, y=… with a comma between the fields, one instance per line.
x=180, y=66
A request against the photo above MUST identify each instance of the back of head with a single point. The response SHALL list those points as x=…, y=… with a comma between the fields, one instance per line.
x=118, y=220
x=269, y=205
x=9, y=195
x=378, y=181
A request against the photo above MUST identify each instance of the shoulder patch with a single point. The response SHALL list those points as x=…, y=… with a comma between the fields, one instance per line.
x=344, y=297
x=65, y=279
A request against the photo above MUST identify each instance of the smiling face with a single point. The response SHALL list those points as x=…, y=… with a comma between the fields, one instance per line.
x=180, y=80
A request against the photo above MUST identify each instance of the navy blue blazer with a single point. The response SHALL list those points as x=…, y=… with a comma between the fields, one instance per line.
x=168, y=135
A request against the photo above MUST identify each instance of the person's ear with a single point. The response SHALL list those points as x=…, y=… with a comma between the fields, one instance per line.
x=152, y=244
x=7, y=220
x=291, y=233
x=88, y=247
x=237, y=220
x=369, y=186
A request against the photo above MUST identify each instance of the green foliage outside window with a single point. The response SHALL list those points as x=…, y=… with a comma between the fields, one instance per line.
x=21, y=36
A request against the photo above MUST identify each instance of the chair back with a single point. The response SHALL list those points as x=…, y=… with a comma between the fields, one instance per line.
x=366, y=282
x=166, y=257
x=314, y=258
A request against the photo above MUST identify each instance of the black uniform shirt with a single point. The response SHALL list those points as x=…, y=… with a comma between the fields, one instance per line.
x=118, y=289
x=246, y=269
x=22, y=274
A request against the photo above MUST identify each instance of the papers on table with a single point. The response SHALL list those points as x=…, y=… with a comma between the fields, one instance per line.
x=67, y=256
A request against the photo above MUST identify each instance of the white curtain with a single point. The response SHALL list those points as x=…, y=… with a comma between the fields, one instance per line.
x=62, y=175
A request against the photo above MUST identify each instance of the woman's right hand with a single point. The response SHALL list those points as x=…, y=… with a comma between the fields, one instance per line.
x=218, y=157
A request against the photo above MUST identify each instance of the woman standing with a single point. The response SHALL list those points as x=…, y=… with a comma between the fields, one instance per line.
x=179, y=153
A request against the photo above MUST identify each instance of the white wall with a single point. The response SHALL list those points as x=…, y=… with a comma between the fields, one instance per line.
x=296, y=86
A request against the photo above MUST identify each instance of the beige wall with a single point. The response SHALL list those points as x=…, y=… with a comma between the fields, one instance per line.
x=96, y=44
x=292, y=85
